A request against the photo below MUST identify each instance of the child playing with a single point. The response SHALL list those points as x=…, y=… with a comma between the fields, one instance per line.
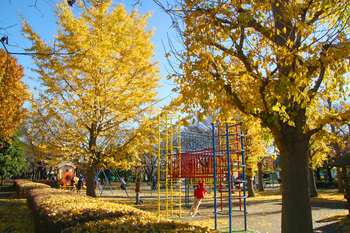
x=122, y=184
x=199, y=195
x=138, y=192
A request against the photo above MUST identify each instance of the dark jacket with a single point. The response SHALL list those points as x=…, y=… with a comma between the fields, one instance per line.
x=80, y=184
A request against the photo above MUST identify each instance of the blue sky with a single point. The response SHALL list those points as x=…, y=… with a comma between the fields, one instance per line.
x=42, y=19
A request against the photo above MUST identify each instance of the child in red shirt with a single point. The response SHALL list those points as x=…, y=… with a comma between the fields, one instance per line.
x=199, y=195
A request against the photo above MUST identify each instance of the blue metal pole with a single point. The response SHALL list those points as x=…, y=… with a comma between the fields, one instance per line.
x=214, y=174
x=103, y=188
x=98, y=173
x=244, y=183
x=187, y=193
x=107, y=178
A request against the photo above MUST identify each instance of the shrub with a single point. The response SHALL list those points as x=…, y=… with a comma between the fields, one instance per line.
x=23, y=186
x=134, y=224
x=48, y=182
x=322, y=184
x=63, y=211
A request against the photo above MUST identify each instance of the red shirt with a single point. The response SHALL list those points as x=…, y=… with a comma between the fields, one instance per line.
x=200, y=191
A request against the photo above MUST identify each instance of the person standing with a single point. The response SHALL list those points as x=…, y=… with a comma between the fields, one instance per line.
x=80, y=184
x=198, y=197
x=72, y=182
x=138, y=192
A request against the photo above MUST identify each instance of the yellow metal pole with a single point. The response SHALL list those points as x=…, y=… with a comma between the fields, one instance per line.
x=159, y=167
x=166, y=166
x=180, y=171
x=171, y=167
x=167, y=148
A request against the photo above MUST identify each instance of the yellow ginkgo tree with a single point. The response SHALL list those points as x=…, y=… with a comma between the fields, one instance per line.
x=320, y=149
x=13, y=94
x=278, y=61
x=98, y=87
x=255, y=149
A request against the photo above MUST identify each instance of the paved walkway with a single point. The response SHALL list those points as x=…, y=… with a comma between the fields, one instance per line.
x=266, y=216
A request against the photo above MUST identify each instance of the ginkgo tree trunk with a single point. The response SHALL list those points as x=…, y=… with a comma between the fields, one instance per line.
x=98, y=85
x=278, y=61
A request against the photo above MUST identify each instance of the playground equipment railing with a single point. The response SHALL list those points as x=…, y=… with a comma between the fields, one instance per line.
x=218, y=159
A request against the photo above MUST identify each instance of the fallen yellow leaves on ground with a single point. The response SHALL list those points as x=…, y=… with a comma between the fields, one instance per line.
x=64, y=211
x=268, y=195
x=136, y=224
x=23, y=186
x=15, y=216
x=78, y=213
x=329, y=196
x=324, y=195
x=210, y=223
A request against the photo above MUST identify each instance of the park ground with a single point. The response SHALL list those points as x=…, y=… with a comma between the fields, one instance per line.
x=264, y=211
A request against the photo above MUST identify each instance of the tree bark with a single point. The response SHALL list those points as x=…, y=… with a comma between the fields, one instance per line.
x=340, y=180
x=261, y=176
x=313, y=190
x=296, y=203
x=251, y=192
x=90, y=183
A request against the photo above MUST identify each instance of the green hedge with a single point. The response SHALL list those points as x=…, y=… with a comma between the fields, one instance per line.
x=322, y=184
x=63, y=211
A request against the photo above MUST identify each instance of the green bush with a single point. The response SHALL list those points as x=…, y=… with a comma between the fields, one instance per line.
x=323, y=184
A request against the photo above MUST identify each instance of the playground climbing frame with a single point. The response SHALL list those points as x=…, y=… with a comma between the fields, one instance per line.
x=169, y=143
x=218, y=158
x=229, y=171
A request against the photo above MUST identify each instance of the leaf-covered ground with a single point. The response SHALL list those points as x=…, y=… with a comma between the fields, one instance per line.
x=15, y=216
x=263, y=212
